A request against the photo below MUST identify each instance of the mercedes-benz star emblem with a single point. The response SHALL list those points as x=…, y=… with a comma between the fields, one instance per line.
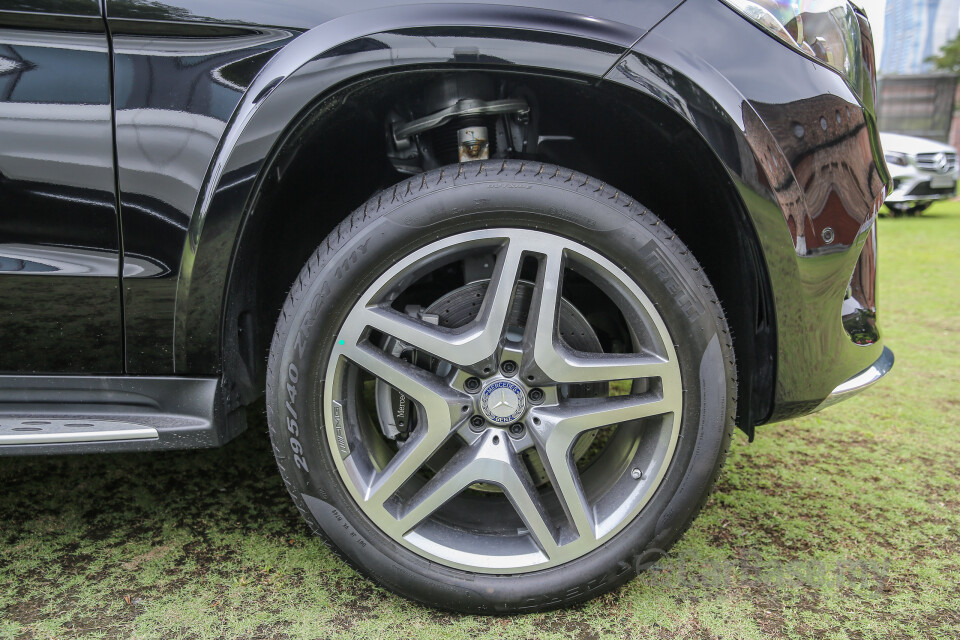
x=502, y=401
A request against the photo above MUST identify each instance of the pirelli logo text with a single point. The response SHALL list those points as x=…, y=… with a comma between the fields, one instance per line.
x=657, y=260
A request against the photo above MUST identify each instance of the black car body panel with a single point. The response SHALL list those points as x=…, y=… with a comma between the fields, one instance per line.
x=166, y=138
x=60, y=305
x=626, y=19
x=206, y=95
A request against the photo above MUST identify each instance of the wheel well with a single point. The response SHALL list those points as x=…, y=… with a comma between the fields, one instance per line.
x=335, y=157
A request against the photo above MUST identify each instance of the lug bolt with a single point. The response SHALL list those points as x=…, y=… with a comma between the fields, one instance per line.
x=535, y=396
x=477, y=423
x=516, y=430
x=637, y=474
x=508, y=367
x=828, y=235
x=472, y=385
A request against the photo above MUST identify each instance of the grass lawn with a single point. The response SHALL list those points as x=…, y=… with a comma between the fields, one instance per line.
x=844, y=524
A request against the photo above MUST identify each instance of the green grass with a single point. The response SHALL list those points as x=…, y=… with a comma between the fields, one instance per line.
x=845, y=524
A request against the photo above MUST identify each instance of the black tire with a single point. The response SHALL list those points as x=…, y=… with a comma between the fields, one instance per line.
x=459, y=198
x=900, y=209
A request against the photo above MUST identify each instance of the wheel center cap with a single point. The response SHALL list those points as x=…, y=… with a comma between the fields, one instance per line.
x=502, y=401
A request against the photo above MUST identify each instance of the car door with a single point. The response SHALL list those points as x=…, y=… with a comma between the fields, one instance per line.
x=60, y=304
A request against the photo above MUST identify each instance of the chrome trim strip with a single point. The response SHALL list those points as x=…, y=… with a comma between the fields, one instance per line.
x=861, y=381
x=20, y=431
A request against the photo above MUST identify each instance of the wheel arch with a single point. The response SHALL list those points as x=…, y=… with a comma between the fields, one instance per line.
x=236, y=212
x=311, y=67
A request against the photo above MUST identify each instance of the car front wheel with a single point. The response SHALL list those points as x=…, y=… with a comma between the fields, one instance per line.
x=501, y=386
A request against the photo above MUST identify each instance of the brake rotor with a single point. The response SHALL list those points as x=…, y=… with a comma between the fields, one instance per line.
x=460, y=307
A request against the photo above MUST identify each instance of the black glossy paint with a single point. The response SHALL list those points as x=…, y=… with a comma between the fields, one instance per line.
x=206, y=92
x=174, y=96
x=59, y=248
x=628, y=18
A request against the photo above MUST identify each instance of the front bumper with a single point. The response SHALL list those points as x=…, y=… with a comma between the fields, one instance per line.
x=863, y=380
x=913, y=185
x=803, y=151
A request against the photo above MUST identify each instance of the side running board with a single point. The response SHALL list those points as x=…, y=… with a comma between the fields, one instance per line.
x=43, y=415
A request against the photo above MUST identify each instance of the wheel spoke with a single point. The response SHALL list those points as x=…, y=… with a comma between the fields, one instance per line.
x=554, y=449
x=541, y=329
x=526, y=500
x=566, y=368
x=489, y=460
x=574, y=416
x=455, y=476
x=442, y=413
x=556, y=430
x=404, y=464
x=465, y=346
x=558, y=364
x=441, y=402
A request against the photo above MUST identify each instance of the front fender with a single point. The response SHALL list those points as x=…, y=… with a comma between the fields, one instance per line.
x=801, y=148
x=339, y=51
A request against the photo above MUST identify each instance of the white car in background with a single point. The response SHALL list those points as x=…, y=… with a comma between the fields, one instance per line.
x=923, y=172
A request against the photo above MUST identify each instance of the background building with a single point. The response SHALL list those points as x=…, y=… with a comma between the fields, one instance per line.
x=918, y=105
x=915, y=30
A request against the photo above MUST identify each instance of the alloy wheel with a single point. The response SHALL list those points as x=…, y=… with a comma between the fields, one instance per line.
x=507, y=437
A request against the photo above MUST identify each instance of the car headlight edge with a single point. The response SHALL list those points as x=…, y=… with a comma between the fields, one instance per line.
x=897, y=158
x=825, y=30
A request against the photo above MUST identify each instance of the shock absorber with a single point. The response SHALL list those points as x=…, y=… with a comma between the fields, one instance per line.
x=463, y=121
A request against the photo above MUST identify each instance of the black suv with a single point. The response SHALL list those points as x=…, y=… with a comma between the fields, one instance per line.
x=508, y=274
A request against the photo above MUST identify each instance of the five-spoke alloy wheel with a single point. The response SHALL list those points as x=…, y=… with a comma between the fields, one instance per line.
x=594, y=506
